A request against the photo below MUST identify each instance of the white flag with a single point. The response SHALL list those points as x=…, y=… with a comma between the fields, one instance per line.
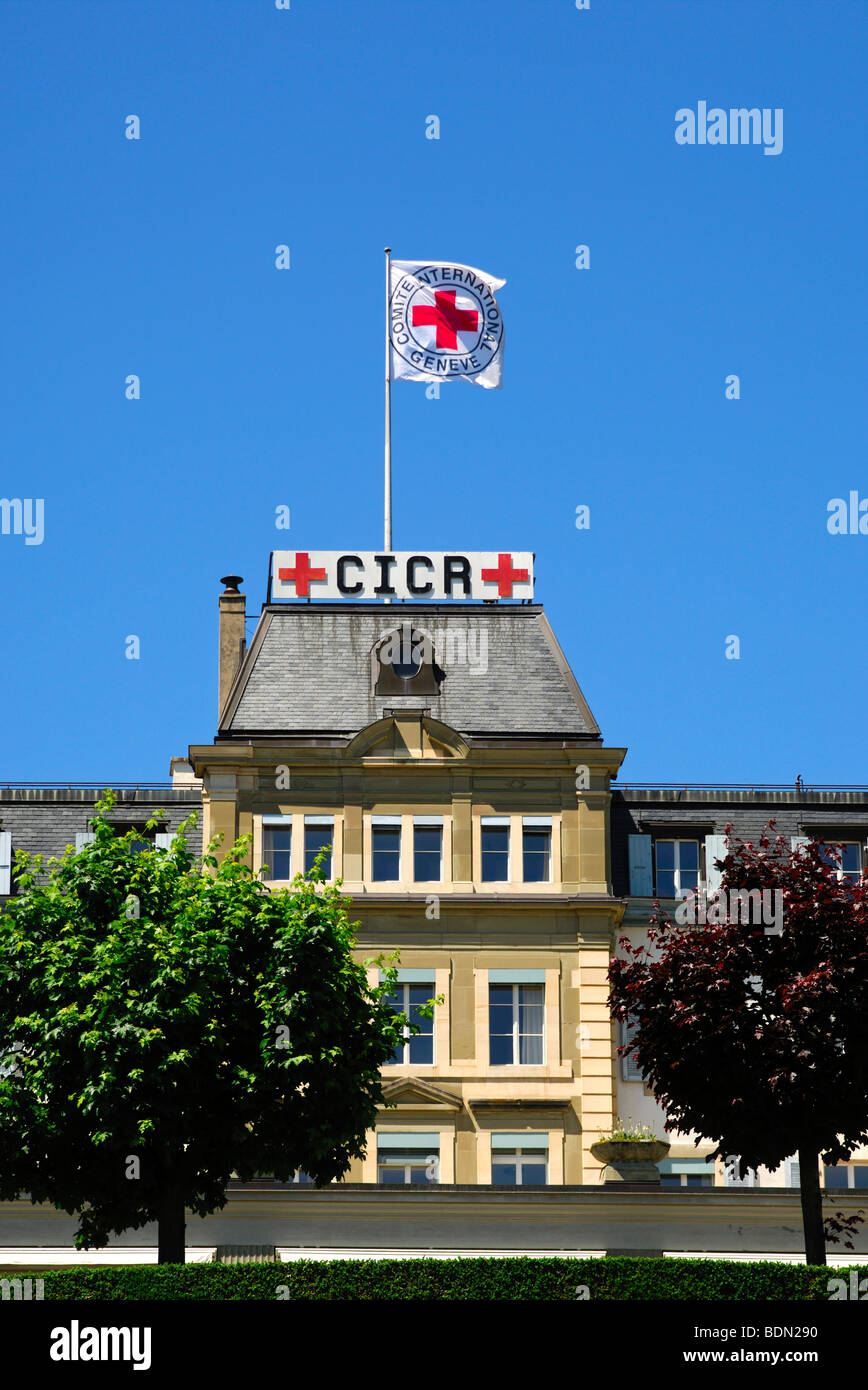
x=444, y=323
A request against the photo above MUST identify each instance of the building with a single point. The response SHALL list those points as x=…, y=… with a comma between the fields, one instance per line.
x=665, y=841
x=447, y=755
x=438, y=750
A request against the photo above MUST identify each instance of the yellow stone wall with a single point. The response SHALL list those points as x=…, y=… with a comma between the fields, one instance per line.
x=461, y=927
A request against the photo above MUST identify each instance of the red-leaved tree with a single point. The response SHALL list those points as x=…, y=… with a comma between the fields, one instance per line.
x=752, y=1025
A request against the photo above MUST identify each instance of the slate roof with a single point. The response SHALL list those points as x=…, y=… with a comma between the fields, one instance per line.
x=308, y=671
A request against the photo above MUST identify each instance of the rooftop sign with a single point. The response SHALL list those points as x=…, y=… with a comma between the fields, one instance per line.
x=401, y=574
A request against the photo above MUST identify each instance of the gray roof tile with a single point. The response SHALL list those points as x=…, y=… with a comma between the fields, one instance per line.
x=308, y=670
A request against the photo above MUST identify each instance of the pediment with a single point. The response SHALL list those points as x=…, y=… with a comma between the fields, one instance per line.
x=405, y=736
x=410, y=1092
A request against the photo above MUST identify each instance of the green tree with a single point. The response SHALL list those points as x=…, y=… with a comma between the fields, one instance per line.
x=167, y=1023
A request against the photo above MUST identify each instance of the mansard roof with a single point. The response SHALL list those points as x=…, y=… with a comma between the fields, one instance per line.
x=308, y=671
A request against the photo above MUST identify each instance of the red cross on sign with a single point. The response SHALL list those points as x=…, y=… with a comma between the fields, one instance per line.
x=505, y=576
x=445, y=315
x=302, y=574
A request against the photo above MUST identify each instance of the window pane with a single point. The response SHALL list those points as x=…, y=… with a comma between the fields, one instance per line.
x=503, y=1172
x=425, y=1023
x=530, y=1019
x=533, y=1175
x=276, y=853
x=390, y=1176
x=395, y=1000
x=500, y=1018
x=500, y=1051
x=427, y=842
x=386, y=853
x=387, y=837
x=688, y=854
x=852, y=858
x=421, y=1045
x=835, y=1177
x=530, y=997
x=495, y=838
x=421, y=1049
x=670, y=1180
x=665, y=854
x=536, y=852
x=315, y=836
x=665, y=884
x=495, y=853
x=689, y=878
x=530, y=1051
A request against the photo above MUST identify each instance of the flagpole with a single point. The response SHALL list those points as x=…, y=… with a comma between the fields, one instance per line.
x=387, y=508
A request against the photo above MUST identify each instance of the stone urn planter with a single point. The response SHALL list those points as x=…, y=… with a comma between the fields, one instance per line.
x=631, y=1160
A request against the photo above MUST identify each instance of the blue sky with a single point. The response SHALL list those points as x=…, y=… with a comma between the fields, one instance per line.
x=262, y=387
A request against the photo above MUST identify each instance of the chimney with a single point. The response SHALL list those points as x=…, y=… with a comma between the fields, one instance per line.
x=231, y=637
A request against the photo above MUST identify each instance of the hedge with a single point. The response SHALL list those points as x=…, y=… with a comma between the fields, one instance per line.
x=553, y=1279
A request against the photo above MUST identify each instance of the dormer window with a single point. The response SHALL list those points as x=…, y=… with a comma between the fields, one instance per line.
x=403, y=663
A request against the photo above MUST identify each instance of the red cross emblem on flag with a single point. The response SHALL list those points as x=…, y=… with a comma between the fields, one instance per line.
x=301, y=574
x=504, y=576
x=446, y=317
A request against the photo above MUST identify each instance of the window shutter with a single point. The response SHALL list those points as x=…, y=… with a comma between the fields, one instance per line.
x=83, y=837
x=163, y=840
x=630, y=1070
x=715, y=848
x=798, y=840
x=5, y=861
x=639, y=856
x=794, y=1175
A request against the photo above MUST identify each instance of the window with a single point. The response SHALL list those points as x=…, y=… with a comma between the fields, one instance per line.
x=524, y=1165
x=536, y=849
x=418, y=1047
x=686, y=1180
x=412, y=1159
x=427, y=849
x=495, y=849
x=630, y=1070
x=386, y=849
x=302, y=1178
x=686, y=1172
x=849, y=865
x=319, y=831
x=403, y=663
x=143, y=840
x=845, y=1175
x=677, y=867
x=515, y=1021
x=276, y=846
